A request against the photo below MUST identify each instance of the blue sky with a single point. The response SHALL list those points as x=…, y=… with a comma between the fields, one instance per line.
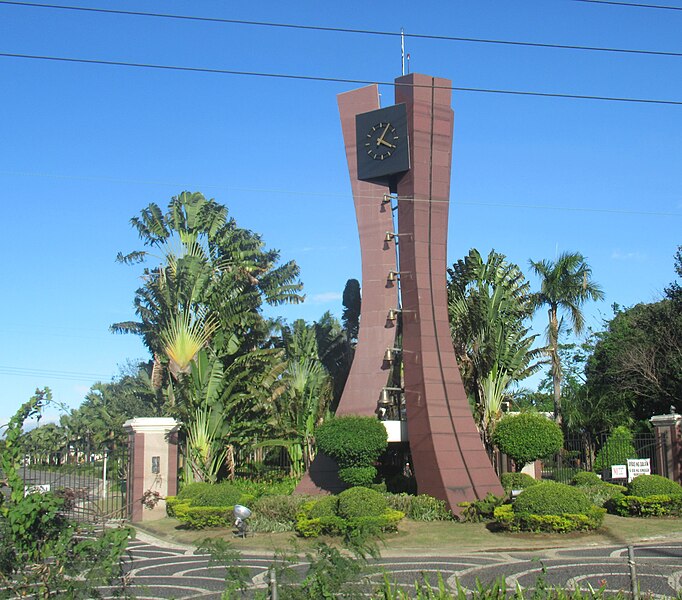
x=86, y=147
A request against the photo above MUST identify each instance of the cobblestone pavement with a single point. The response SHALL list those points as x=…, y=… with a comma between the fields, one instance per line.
x=162, y=571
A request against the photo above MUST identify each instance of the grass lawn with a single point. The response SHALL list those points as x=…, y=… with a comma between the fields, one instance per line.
x=445, y=538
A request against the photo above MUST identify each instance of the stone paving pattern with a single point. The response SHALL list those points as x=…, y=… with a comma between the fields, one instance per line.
x=158, y=570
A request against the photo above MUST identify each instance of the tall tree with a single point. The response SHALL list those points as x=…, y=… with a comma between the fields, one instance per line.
x=352, y=303
x=489, y=302
x=565, y=285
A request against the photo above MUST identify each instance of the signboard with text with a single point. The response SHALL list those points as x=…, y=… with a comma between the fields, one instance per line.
x=619, y=471
x=638, y=466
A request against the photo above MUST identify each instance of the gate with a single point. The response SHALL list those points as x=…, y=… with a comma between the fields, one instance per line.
x=598, y=453
x=92, y=480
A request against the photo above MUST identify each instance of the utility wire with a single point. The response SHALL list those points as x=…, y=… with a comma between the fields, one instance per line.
x=632, y=4
x=423, y=36
x=335, y=79
x=341, y=196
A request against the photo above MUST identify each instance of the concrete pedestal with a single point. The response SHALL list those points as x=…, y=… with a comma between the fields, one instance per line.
x=668, y=429
x=154, y=464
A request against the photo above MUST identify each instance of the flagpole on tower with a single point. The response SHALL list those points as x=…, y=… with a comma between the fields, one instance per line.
x=402, y=48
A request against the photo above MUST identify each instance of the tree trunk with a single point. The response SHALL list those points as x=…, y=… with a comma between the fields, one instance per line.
x=556, y=362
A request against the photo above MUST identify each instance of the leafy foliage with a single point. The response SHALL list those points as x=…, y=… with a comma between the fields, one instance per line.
x=660, y=505
x=550, y=498
x=351, y=309
x=653, y=485
x=527, y=437
x=45, y=555
x=481, y=510
x=420, y=508
x=585, y=478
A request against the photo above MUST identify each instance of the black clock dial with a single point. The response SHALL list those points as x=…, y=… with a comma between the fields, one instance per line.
x=382, y=144
x=382, y=141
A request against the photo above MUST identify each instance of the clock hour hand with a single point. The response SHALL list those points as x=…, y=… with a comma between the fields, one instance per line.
x=385, y=143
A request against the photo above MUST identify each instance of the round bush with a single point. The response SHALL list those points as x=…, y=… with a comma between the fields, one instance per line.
x=354, y=476
x=361, y=502
x=527, y=437
x=617, y=449
x=352, y=441
x=552, y=499
x=653, y=485
x=517, y=481
x=327, y=506
x=586, y=478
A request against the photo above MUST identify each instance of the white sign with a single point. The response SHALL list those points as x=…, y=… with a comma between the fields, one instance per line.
x=37, y=488
x=619, y=471
x=638, y=466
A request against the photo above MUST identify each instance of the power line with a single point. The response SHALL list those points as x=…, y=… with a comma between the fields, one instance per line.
x=344, y=196
x=335, y=79
x=374, y=32
x=632, y=4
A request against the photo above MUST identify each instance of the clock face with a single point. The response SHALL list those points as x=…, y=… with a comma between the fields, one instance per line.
x=382, y=144
x=382, y=141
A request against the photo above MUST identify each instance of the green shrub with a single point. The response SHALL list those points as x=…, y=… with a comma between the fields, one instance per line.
x=201, y=517
x=275, y=514
x=508, y=519
x=279, y=487
x=653, y=485
x=481, y=510
x=212, y=494
x=355, y=476
x=650, y=506
x=527, y=437
x=361, y=502
x=327, y=506
x=616, y=451
x=603, y=492
x=420, y=508
x=353, y=442
x=516, y=481
x=552, y=499
x=585, y=478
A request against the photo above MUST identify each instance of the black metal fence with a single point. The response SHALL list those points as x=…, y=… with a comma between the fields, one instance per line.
x=599, y=453
x=93, y=481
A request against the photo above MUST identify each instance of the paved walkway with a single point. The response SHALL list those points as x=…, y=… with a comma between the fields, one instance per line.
x=159, y=570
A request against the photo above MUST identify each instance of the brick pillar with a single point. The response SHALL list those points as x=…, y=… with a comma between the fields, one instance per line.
x=153, y=464
x=668, y=429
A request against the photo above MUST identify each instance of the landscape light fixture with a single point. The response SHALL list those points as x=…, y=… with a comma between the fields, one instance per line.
x=241, y=514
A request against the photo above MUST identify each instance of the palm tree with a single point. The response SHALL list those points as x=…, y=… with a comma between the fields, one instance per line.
x=488, y=305
x=565, y=286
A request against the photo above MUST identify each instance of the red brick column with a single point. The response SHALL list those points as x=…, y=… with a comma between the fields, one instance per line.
x=668, y=430
x=449, y=459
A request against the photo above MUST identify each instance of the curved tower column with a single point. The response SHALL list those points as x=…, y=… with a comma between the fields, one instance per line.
x=449, y=459
x=369, y=372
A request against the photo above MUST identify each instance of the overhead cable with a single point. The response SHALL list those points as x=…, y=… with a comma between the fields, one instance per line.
x=423, y=36
x=336, y=79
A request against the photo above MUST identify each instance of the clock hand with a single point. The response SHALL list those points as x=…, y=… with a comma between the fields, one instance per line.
x=385, y=143
x=381, y=137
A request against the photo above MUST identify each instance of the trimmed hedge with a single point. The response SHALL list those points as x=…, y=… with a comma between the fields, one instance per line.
x=653, y=485
x=357, y=508
x=552, y=499
x=509, y=520
x=650, y=506
x=361, y=502
x=527, y=436
x=355, y=443
x=516, y=481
